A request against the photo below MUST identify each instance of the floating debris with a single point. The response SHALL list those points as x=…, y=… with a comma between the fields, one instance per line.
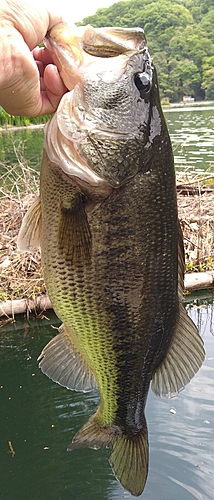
x=12, y=451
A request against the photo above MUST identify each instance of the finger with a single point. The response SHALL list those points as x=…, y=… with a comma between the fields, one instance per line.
x=40, y=67
x=42, y=54
x=51, y=91
x=53, y=81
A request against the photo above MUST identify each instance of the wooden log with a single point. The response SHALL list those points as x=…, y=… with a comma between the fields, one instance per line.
x=19, y=306
x=199, y=281
x=192, y=281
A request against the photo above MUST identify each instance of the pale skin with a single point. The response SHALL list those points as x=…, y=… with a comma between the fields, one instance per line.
x=30, y=84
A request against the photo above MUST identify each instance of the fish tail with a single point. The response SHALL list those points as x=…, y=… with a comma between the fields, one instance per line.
x=129, y=453
x=129, y=460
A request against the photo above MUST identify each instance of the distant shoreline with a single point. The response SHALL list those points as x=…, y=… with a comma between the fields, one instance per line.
x=165, y=106
x=186, y=105
x=7, y=128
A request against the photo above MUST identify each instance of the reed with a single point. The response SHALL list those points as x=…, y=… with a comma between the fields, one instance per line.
x=21, y=274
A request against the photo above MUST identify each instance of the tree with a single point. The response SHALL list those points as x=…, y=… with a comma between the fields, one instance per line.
x=208, y=77
x=180, y=37
x=185, y=77
x=207, y=24
x=187, y=43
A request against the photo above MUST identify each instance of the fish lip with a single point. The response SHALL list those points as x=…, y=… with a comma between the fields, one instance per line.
x=66, y=53
x=81, y=36
x=69, y=45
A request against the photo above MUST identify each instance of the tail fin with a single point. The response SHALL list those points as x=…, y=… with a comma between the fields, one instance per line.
x=129, y=453
x=129, y=460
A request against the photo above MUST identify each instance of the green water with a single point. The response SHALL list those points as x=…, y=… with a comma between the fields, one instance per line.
x=40, y=418
x=191, y=131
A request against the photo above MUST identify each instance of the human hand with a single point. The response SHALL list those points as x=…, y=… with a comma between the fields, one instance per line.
x=30, y=84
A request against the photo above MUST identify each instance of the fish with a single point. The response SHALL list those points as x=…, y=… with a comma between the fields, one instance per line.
x=111, y=243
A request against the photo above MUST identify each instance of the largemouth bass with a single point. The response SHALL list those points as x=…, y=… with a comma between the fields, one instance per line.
x=112, y=248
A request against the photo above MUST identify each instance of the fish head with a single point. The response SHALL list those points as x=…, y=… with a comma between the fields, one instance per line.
x=112, y=114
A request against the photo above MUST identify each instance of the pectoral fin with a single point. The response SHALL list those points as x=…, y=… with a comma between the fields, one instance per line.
x=184, y=358
x=30, y=232
x=61, y=362
x=74, y=235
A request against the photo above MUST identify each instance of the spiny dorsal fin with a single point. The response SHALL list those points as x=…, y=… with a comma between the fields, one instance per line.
x=30, y=232
x=183, y=359
x=181, y=263
x=129, y=454
x=74, y=235
x=61, y=362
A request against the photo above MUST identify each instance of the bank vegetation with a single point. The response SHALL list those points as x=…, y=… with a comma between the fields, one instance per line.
x=180, y=37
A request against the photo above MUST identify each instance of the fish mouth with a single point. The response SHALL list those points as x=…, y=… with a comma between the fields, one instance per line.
x=73, y=47
x=98, y=42
x=63, y=43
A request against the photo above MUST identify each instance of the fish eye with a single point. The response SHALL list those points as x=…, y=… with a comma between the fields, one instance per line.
x=142, y=82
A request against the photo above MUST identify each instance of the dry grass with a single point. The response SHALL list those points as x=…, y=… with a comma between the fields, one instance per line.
x=196, y=214
x=21, y=274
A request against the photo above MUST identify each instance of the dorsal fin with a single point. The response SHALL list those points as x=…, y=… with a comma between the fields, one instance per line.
x=181, y=263
x=30, y=232
x=183, y=359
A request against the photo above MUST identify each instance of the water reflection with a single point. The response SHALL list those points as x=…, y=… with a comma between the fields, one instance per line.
x=191, y=132
x=40, y=419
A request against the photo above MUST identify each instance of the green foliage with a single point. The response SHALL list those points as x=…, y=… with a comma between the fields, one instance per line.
x=206, y=265
x=208, y=77
x=180, y=36
x=7, y=120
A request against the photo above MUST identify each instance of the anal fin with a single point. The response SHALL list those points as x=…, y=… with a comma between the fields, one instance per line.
x=62, y=363
x=182, y=361
x=129, y=453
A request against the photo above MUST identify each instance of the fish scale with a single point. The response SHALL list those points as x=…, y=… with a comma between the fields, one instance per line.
x=111, y=244
x=85, y=297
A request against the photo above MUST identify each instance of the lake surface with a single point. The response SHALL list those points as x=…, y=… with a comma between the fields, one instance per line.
x=192, y=134
x=191, y=130
x=40, y=418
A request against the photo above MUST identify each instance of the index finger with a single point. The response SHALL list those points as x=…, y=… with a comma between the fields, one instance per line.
x=42, y=54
